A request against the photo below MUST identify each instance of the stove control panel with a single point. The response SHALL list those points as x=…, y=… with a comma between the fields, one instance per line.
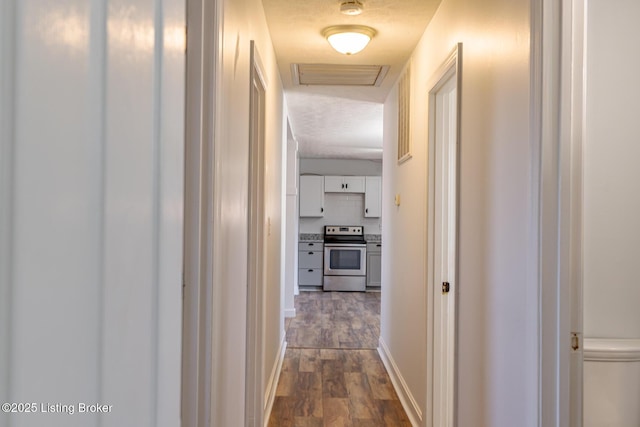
x=340, y=230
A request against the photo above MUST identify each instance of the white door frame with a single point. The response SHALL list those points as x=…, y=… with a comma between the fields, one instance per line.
x=7, y=142
x=198, y=335
x=442, y=240
x=557, y=93
x=256, y=257
x=572, y=122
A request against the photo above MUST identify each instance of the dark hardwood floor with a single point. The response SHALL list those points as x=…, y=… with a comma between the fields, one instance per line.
x=332, y=375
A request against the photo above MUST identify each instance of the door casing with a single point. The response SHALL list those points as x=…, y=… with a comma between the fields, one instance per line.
x=442, y=239
x=254, y=390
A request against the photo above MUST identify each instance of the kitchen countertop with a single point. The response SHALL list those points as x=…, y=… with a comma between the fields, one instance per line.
x=317, y=237
x=311, y=237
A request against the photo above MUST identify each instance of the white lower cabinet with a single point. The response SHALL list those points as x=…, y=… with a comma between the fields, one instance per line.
x=310, y=264
x=310, y=277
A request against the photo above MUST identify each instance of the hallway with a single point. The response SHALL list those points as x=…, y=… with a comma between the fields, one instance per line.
x=125, y=210
x=332, y=375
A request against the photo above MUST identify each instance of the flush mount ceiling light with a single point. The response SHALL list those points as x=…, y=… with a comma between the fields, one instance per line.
x=348, y=39
x=353, y=7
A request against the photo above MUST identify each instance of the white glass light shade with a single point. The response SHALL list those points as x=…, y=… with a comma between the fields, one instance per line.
x=349, y=39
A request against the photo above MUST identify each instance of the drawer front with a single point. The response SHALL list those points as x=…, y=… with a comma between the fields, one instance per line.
x=310, y=259
x=374, y=247
x=310, y=277
x=310, y=246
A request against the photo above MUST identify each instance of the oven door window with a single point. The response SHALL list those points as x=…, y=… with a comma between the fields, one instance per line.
x=345, y=259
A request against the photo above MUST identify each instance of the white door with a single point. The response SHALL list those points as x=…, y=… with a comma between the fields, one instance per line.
x=442, y=238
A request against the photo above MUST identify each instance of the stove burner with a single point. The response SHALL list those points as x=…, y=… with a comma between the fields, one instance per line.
x=343, y=234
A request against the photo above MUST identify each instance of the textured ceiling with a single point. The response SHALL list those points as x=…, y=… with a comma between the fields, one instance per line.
x=342, y=121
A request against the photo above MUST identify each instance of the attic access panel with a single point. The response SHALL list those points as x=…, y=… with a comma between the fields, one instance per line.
x=338, y=74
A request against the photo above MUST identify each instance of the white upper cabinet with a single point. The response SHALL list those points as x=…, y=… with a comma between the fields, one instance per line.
x=373, y=197
x=311, y=196
x=344, y=184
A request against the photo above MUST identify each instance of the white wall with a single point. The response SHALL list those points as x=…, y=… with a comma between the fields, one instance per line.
x=339, y=166
x=495, y=380
x=243, y=21
x=92, y=139
x=611, y=215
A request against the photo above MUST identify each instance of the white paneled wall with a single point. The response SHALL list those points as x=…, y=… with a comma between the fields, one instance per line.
x=91, y=219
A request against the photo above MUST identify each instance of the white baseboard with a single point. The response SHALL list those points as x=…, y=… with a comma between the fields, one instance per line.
x=272, y=385
x=289, y=312
x=407, y=400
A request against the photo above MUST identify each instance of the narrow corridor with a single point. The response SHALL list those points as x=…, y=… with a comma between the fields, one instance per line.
x=332, y=375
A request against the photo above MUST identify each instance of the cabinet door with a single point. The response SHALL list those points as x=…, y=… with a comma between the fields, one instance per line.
x=344, y=184
x=333, y=184
x=374, y=269
x=373, y=197
x=311, y=196
x=354, y=184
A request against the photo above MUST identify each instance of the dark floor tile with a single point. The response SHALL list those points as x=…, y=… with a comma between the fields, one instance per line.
x=333, y=384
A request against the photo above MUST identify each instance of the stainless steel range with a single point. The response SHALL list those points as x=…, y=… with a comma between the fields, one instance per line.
x=345, y=255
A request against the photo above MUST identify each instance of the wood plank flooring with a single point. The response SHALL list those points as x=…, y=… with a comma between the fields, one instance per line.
x=337, y=385
x=335, y=320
